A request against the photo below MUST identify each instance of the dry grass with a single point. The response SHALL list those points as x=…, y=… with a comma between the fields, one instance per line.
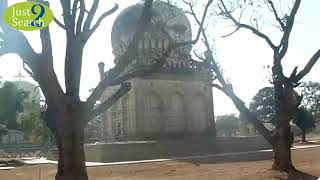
x=306, y=160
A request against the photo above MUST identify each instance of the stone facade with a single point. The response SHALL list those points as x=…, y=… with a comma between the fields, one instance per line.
x=175, y=100
x=159, y=106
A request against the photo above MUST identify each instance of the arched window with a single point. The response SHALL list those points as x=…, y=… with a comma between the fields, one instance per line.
x=175, y=121
x=152, y=108
x=200, y=113
x=116, y=119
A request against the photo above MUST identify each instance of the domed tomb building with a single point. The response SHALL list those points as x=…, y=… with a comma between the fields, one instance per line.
x=175, y=100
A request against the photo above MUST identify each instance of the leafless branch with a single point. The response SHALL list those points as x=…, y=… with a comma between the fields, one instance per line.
x=240, y=105
x=59, y=23
x=287, y=31
x=46, y=45
x=226, y=13
x=226, y=87
x=124, y=89
x=201, y=22
x=273, y=9
x=88, y=32
x=217, y=86
x=27, y=70
x=74, y=10
x=198, y=56
x=81, y=17
x=91, y=15
x=231, y=33
x=67, y=15
x=308, y=67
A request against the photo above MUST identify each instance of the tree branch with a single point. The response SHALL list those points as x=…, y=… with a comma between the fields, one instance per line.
x=237, y=29
x=40, y=64
x=201, y=23
x=80, y=18
x=59, y=23
x=224, y=12
x=275, y=13
x=46, y=45
x=250, y=116
x=124, y=89
x=15, y=42
x=91, y=15
x=67, y=15
x=284, y=43
x=227, y=88
x=74, y=10
x=308, y=67
x=88, y=32
x=27, y=70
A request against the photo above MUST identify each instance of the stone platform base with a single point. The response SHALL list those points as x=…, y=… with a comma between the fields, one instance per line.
x=144, y=150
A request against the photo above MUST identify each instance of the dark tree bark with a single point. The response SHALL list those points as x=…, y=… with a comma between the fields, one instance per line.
x=286, y=99
x=71, y=164
x=66, y=115
x=303, y=136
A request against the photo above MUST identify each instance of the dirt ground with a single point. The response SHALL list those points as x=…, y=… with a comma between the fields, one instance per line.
x=306, y=160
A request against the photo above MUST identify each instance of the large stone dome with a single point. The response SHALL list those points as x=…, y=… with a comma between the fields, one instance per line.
x=168, y=24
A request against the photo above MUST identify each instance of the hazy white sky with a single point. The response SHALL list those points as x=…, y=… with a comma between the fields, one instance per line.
x=242, y=55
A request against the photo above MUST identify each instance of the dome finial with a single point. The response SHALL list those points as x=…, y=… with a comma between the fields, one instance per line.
x=101, y=69
x=19, y=75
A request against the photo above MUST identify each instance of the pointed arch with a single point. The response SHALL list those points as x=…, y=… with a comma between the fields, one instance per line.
x=175, y=121
x=152, y=110
x=200, y=112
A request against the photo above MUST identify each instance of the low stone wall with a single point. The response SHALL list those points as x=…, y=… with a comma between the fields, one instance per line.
x=20, y=150
x=129, y=151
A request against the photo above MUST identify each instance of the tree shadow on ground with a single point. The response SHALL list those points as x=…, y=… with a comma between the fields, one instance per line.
x=298, y=175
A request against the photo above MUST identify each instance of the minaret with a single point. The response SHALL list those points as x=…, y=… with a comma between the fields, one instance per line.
x=101, y=70
x=103, y=134
x=19, y=75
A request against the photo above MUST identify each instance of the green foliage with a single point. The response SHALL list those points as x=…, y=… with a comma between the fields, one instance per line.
x=19, y=111
x=11, y=103
x=311, y=97
x=227, y=125
x=35, y=128
x=304, y=119
x=263, y=105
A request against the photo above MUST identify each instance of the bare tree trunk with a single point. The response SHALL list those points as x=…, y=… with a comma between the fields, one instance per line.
x=70, y=141
x=303, y=136
x=283, y=138
x=282, y=147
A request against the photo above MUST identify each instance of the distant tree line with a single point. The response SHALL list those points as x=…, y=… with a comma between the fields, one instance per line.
x=20, y=111
x=262, y=104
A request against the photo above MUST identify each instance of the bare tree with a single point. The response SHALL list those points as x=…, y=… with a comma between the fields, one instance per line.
x=286, y=98
x=66, y=115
